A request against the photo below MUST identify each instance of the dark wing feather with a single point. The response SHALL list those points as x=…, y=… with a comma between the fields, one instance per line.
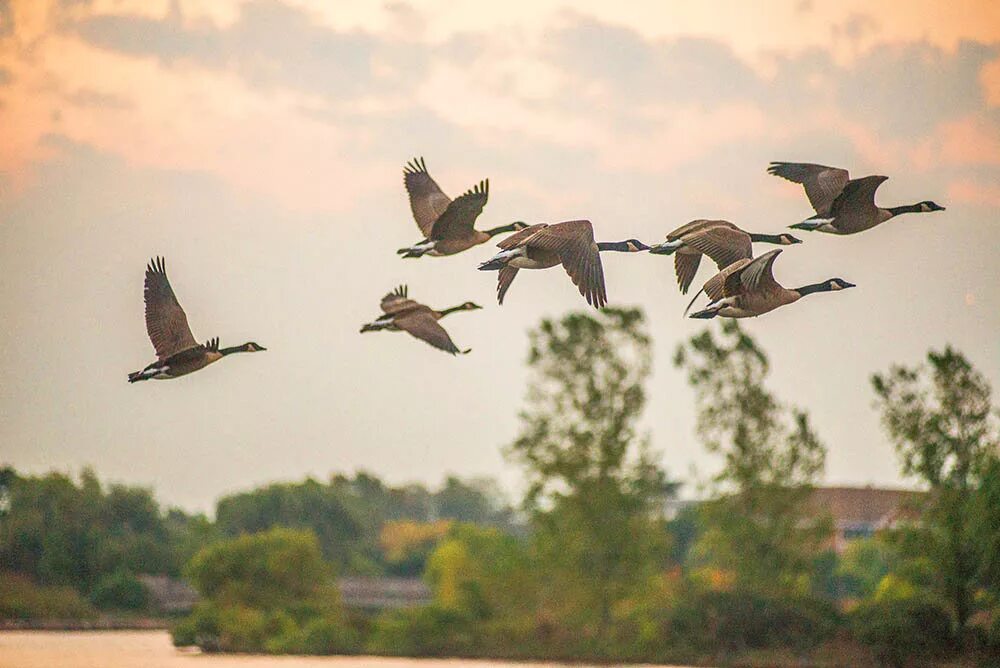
x=857, y=200
x=716, y=287
x=427, y=201
x=397, y=301
x=573, y=242
x=504, y=279
x=166, y=322
x=755, y=275
x=822, y=184
x=423, y=326
x=723, y=244
x=516, y=239
x=458, y=219
x=686, y=266
x=696, y=225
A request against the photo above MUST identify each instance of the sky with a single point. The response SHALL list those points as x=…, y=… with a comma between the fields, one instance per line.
x=259, y=147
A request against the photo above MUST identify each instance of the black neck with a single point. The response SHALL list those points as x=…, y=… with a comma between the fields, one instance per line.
x=906, y=208
x=502, y=229
x=813, y=287
x=613, y=246
x=765, y=238
x=234, y=349
x=451, y=310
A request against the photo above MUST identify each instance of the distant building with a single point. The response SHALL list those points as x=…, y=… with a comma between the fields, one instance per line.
x=859, y=512
x=168, y=594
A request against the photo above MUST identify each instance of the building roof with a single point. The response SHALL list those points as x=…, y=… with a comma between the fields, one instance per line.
x=866, y=505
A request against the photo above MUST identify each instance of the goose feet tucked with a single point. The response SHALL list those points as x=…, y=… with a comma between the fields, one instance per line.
x=811, y=224
x=417, y=250
x=149, y=372
x=666, y=248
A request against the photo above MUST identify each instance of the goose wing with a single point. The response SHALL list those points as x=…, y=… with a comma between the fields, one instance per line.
x=427, y=201
x=715, y=287
x=696, y=225
x=725, y=244
x=166, y=322
x=822, y=184
x=573, y=242
x=397, y=301
x=755, y=275
x=685, y=267
x=504, y=279
x=458, y=219
x=518, y=238
x=421, y=324
x=857, y=201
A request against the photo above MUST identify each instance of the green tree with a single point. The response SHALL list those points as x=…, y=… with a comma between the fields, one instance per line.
x=595, y=491
x=941, y=419
x=759, y=528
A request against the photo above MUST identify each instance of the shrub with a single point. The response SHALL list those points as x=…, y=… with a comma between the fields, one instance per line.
x=120, y=591
x=427, y=631
x=20, y=598
x=898, y=629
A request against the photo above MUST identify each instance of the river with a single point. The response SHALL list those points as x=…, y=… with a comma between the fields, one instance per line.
x=152, y=649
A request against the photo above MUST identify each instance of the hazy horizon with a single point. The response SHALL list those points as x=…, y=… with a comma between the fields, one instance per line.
x=259, y=147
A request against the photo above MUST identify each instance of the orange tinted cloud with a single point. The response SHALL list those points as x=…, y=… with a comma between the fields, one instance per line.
x=970, y=192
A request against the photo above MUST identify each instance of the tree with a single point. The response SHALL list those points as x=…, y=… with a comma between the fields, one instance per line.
x=595, y=491
x=941, y=419
x=760, y=528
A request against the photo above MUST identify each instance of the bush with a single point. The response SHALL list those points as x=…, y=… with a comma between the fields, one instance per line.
x=120, y=591
x=427, y=631
x=898, y=629
x=20, y=598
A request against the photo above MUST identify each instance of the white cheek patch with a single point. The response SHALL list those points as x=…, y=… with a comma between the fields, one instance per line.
x=836, y=286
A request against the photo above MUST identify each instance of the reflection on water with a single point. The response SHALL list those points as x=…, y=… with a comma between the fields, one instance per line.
x=152, y=649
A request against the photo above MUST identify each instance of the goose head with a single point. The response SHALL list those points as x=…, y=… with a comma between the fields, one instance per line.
x=927, y=206
x=788, y=239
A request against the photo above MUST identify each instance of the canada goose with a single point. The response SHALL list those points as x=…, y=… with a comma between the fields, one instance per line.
x=843, y=205
x=718, y=239
x=402, y=313
x=747, y=289
x=571, y=244
x=447, y=224
x=177, y=352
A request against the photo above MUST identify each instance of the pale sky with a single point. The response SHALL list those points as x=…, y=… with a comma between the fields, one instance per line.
x=259, y=147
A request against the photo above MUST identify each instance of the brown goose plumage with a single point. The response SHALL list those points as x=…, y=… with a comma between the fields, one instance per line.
x=448, y=225
x=720, y=240
x=570, y=244
x=177, y=352
x=416, y=319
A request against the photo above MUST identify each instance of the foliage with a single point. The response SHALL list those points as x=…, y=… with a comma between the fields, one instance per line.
x=20, y=598
x=941, y=419
x=760, y=527
x=120, y=591
x=407, y=544
x=595, y=490
x=901, y=628
x=864, y=564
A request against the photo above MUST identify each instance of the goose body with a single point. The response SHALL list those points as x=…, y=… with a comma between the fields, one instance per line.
x=843, y=205
x=400, y=313
x=723, y=242
x=747, y=289
x=447, y=224
x=570, y=244
x=177, y=352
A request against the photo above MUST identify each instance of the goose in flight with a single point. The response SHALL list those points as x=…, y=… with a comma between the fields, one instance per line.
x=570, y=244
x=720, y=240
x=843, y=205
x=177, y=352
x=404, y=314
x=747, y=289
x=447, y=224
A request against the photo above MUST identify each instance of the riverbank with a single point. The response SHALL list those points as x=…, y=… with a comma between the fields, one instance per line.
x=97, y=624
x=152, y=649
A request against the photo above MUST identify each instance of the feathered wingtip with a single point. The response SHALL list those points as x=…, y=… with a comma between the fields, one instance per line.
x=157, y=265
x=415, y=166
x=212, y=345
x=401, y=291
x=481, y=188
x=465, y=352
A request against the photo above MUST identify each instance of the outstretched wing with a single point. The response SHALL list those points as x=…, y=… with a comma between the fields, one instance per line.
x=397, y=301
x=723, y=243
x=427, y=201
x=516, y=239
x=459, y=218
x=754, y=276
x=694, y=226
x=716, y=287
x=422, y=325
x=822, y=184
x=504, y=279
x=166, y=322
x=686, y=266
x=857, y=201
x=573, y=242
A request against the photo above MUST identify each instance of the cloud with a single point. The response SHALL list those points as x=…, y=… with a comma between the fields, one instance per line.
x=6, y=19
x=5, y=76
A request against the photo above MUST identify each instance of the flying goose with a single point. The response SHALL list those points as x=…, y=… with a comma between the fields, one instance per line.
x=843, y=205
x=177, y=352
x=571, y=244
x=720, y=240
x=447, y=225
x=402, y=313
x=747, y=289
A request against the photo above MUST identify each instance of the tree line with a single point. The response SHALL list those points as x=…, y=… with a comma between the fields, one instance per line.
x=591, y=566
